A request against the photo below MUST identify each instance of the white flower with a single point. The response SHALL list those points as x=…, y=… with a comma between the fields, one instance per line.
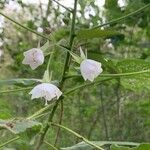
x=90, y=69
x=45, y=90
x=33, y=57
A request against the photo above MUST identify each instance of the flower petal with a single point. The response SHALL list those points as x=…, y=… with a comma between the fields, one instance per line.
x=33, y=57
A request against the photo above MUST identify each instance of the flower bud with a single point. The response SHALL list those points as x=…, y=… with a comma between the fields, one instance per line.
x=90, y=69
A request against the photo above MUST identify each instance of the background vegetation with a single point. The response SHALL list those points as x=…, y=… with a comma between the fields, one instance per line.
x=117, y=109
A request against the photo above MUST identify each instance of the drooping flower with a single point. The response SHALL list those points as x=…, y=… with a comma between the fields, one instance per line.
x=47, y=91
x=33, y=57
x=90, y=69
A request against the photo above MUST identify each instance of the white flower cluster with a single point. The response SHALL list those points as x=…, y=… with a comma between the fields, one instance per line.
x=34, y=57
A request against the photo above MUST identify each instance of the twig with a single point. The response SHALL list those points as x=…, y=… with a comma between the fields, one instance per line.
x=39, y=112
x=60, y=120
x=63, y=6
x=103, y=114
x=84, y=85
x=10, y=141
x=29, y=29
x=52, y=146
x=78, y=135
x=123, y=17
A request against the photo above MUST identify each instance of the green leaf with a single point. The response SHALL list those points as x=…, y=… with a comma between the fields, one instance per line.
x=144, y=146
x=45, y=46
x=133, y=65
x=46, y=77
x=116, y=147
x=96, y=33
x=5, y=109
x=76, y=57
x=17, y=126
x=135, y=82
x=85, y=146
x=20, y=82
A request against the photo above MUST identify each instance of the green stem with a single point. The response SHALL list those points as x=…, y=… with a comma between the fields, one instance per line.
x=63, y=6
x=49, y=61
x=77, y=135
x=124, y=17
x=87, y=84
x=24, y=27
x=10, y=141
x=114, y=75
x=42, y=136
x=39, y=112
x=41, y=115
x=60, y=120
x=72, y=33
x=67, y=62
x=66, y=67
x=19, y=80
x=52, y=146
x=16, y=90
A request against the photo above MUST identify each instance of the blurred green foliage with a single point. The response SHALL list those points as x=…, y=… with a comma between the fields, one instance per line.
x=115, y=110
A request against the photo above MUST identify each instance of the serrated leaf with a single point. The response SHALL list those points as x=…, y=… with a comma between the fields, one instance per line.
x=96, y=33
x=17, y=126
